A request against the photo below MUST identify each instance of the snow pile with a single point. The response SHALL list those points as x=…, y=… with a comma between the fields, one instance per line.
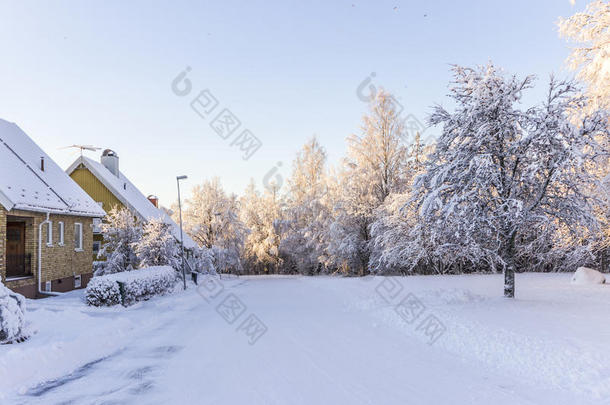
x=129, y=287
x=585, y=275
x=12, y=315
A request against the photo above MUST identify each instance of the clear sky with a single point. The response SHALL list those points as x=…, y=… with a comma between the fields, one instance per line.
x=100, y=73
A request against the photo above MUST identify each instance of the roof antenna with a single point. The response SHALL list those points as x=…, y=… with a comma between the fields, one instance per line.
x=82, y=148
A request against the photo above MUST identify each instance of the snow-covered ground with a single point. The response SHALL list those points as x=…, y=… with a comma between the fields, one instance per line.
x=327, y=341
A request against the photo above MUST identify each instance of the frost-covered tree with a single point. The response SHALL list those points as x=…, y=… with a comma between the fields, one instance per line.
x=157, y=246
x=306, y=214
x=203, y=212
x=501, y=179
x=590, y=30
x=590, y=57
x=259, y=214
x=121, y=231
x=376, y=165
x=202, y=261
x=396, y=217
x=211, y=218
x=379, y=155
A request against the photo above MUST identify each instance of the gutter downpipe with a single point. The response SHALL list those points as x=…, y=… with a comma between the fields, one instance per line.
x=39, y=262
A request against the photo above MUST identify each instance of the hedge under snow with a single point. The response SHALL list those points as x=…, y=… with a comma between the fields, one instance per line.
x=12, y=315
x=584, y=275
x=128, y=287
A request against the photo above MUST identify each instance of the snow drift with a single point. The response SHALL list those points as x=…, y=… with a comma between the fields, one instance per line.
x=129, y=287
x=585, y=275
x=12, y=315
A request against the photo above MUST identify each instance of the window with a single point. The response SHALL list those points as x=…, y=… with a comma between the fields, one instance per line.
x=96, y=246
x=97, y=225
x=60, y=230
x=50, y=233
x=78, y=236
x=77, y=281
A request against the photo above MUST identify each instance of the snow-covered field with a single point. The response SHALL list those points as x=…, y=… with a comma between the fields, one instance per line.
x=328, y=341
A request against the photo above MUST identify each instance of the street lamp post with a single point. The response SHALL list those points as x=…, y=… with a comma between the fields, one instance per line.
x=181, y=236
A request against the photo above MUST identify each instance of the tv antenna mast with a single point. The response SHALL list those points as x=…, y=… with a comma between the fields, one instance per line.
x=83, y=148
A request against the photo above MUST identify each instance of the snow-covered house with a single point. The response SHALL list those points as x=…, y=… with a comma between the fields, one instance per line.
x=46, y=220
x=107, y=185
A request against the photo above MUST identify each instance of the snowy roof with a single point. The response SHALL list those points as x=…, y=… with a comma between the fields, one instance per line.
x=25, y=186
x=129, y=195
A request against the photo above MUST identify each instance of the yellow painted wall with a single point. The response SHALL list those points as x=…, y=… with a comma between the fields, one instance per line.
x=96, y=190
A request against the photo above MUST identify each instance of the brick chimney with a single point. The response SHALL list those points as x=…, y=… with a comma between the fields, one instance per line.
x=154, y=200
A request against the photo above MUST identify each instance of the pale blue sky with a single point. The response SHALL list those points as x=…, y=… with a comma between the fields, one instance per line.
x=100, y=73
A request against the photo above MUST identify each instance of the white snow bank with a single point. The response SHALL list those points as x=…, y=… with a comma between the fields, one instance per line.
x=12, y=315
x=585, y=276
x=130, y=286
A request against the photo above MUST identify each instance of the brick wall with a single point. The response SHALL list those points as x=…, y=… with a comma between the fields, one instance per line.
x=2, y=241
x=60, y=263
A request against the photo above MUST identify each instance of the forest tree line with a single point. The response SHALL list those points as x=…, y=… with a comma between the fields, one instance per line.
x=502, y=188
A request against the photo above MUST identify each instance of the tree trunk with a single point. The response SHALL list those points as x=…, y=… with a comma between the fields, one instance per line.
x=509, y=281
x=509, y=268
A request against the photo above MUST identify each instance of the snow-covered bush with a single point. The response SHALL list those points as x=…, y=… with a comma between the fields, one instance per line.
x=584, y=275
x=157, y=246
x=129, y=287
x=12, y=315
x=202, y=261
x=102, y=292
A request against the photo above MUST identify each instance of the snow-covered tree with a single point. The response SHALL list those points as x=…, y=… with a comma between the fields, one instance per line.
x=158, y=246
x=121, y=231
x=396, y=217
x=259, y=213
x=379, y=155
x=303, y=237
x=376, y=165
x=202, y=261
x=501, y=179
x=590, y=30
x=203, y=213
x=211, y=218
x=590, y=57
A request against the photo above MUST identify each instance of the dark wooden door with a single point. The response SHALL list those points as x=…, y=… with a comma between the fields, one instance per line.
x=15, y=249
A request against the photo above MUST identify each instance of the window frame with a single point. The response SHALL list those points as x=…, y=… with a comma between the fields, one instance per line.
x=78, y=237
x=61, y=230
x=99, y=246
x=50, y=233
